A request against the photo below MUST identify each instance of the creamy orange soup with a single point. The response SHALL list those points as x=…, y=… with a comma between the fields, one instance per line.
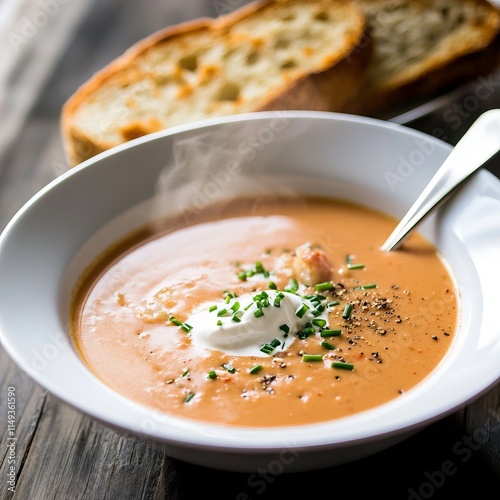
x=175, y=318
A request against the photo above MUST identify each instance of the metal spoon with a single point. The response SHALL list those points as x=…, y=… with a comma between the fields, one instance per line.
x=476, y=147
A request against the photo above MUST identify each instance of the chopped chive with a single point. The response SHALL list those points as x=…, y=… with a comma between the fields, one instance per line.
x=312, y=357
x=185, y=373
x=308, y=330
x=236, y=319
x=348, y=259
x=255, y=369
x=302, y=310
x=365, y=287
x=272, y=285
x=189, y=397
x=303, y=334
x=228, y=299
x=219, y=323
x=212, y=308
x=235, y=306
x=246, y=308
x=259, y=268
x=180, y=324
x=285, y=328
x=343, y=365
x=242, y=276
x=327, y=285
x=319, y=322
x=355, y=266
x=277, y=300
x=267, y=349
x=333, y=303
x=229, y=368
x=175, y=321
x=293, y=286
x=347, y=311
x=330, y=333
x=258, y=313
x=222, y=312
x=327, y=345
x=212, y=375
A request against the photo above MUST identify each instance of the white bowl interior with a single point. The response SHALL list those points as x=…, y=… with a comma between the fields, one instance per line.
x=63, y=228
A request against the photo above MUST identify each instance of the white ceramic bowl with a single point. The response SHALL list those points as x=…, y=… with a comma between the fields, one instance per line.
x=385, y=166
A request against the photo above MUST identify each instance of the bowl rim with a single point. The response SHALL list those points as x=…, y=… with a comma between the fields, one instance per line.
x=248, y=440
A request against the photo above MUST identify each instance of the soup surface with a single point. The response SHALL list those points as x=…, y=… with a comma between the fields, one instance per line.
x=266, y=313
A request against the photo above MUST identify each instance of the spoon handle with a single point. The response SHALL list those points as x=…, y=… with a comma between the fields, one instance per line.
x=476, y=147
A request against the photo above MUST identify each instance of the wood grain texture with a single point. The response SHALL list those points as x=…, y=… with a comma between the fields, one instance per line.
x=62, y=454
x=85, y=460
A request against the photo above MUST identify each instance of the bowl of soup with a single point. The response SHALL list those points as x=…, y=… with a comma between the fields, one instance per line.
x=220, y=288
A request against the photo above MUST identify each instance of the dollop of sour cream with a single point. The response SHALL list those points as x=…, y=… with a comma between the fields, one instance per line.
x=245, y=324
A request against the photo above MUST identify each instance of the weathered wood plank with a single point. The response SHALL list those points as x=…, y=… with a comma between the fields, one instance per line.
x=482, y=427
x=27, y=410
x=425, y=466
x=72, y=456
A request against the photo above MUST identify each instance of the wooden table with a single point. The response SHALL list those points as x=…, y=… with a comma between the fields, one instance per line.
x=63, y=454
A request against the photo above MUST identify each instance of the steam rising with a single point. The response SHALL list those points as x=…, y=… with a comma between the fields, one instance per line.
x=212, y=166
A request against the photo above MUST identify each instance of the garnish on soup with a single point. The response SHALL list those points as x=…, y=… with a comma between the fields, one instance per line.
x=281, y=312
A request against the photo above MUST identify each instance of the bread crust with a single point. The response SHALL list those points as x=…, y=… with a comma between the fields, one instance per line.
x=334, y=83
x=342, y=83
x=79, y=146
x=439, y=74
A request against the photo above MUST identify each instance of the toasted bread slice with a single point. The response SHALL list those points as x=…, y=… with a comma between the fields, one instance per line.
x=268, y=55
x=422, y=47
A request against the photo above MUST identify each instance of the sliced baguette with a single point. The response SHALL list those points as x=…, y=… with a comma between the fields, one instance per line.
x=268, y=55
x=421, y=47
